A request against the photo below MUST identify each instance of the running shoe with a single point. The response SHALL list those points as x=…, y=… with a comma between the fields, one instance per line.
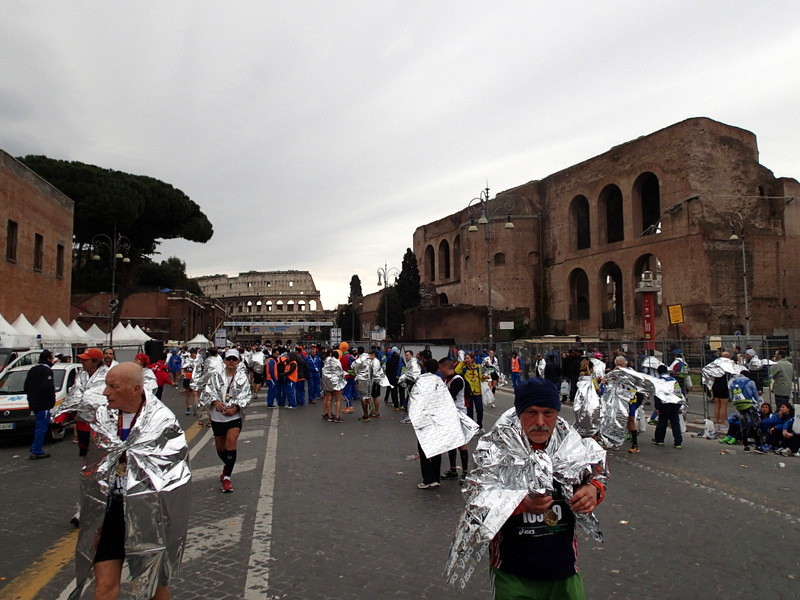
x=365, y=419
x=451, y=474
x=657, y=443
x=227, y=486
x=678, y=446
x=428, y=486
x=634, y=450
x=405, y=421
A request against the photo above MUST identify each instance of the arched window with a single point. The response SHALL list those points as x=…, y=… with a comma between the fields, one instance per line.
x=313, y=305
x=611, y=298
x=430, y=264
x=444, y=260
x=499, y=259
x=269, y=305
x=578, y=295
x=580, y=232
x=301, y=306
x=290, y=306
x=646, y=191
x=610, y=205
x=279, y=305
x=443, y=299
x=457, y=257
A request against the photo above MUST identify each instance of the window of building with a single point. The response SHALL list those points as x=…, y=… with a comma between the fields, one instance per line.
x=430, y=264
x=279, y=305
x=581, y=236
x=578, y=295
x=444, y=260
x=499, y=259
x=646, y=191
x=60, y=261
x=611, y=209
x=38, y=252
x=12, y=231
x=290, y=306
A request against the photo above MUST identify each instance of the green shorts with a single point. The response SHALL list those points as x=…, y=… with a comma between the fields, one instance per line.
x=513, y=587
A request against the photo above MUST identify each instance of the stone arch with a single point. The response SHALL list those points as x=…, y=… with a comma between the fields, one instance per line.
x=443, y=299
x=290, y=305
x=611, y=296
x=444, y=260
x=430, y=264
x=499, y=259
x=279, y=305
x=580, y=230
x=578, y=295
x=312, y=305
x=611, y=213
x=269, y=306
x=647, y=197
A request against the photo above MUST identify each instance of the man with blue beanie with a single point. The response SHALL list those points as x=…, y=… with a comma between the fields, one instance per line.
x=533, y=554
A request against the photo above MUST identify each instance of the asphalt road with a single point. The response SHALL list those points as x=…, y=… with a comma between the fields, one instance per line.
x=327, y=511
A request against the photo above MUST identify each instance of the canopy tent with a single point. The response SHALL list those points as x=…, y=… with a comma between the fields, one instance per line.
x=49, y=335
x=9, y=336
x=122, y=336
x=27, y=332
x=96, y=335
x=199, y=341
x=141, y=335
x=84, y=337
x=66, y=334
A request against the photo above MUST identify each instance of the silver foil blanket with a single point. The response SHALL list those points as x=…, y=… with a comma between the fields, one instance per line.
x=586, y=407
x=439, y=425
x=718, y=368
x=216, y=389
x=332, y=375
x=156, y=491
x=506, y=470
x=621, y=386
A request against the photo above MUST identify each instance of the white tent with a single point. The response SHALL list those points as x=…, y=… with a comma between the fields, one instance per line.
x=49, y=335
x=27, y=332
x=97, y=336
x=141, y=335
x=9, y=336
x=198, y=341
x=84, y=338
x=121, y=336
x=66, y=334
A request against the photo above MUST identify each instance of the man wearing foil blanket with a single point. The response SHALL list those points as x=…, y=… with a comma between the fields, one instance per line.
x=135, y=491
x=536, y=480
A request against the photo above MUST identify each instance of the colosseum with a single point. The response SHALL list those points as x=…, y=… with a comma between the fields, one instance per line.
x=689, y=209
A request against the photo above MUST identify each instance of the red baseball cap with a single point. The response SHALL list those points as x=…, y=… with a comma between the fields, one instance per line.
x=91, y=353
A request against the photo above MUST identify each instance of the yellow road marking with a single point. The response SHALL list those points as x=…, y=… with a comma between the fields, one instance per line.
x=27, y=584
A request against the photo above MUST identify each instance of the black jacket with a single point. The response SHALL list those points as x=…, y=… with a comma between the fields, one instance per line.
x=40, y=388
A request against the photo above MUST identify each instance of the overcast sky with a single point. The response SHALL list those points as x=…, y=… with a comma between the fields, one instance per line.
x=318, y=135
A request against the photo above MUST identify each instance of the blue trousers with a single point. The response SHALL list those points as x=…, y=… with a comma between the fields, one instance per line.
x=281, y=391
x=516, y=379
x=39, y=433
x=291, y=399
x=272, y=392
x=314, y=389
x=300, y=392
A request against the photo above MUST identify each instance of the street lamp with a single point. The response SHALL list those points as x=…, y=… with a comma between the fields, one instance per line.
x=488, y=214
x=387, y=272
x=117, y=244
x=737, y=221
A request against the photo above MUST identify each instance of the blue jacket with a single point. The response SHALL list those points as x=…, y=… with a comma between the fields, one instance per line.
x=314, y=364
x=776, y=421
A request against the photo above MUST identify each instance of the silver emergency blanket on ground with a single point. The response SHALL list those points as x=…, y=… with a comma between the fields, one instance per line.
x=333, y=379
x=718, y=368
x=156, y=492
x=506, y=470
x=211, y=365
x=240, y=393
x=586, y=406
x=439, y=425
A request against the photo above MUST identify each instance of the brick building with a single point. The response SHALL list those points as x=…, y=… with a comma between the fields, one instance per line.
x=36, y=249
x=175, y=315
x=268, y=305
x=583, y=238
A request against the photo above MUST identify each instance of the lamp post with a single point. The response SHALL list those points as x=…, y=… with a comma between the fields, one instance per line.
x=737, y=221
x=487, y=214
x=116, y=245
x=386, y=272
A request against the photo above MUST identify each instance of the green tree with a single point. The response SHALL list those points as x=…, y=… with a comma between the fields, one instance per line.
x=142, y=209
x=347, y=319
x=408, y=282
x=170, y=273
x=355, y=290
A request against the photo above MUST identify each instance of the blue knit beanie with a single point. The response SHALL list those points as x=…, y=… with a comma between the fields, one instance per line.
x=536, y=392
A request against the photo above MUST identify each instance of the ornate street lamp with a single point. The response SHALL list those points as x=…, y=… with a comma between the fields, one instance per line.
x=489, y=213
x=117, y=245
x=385, y=273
